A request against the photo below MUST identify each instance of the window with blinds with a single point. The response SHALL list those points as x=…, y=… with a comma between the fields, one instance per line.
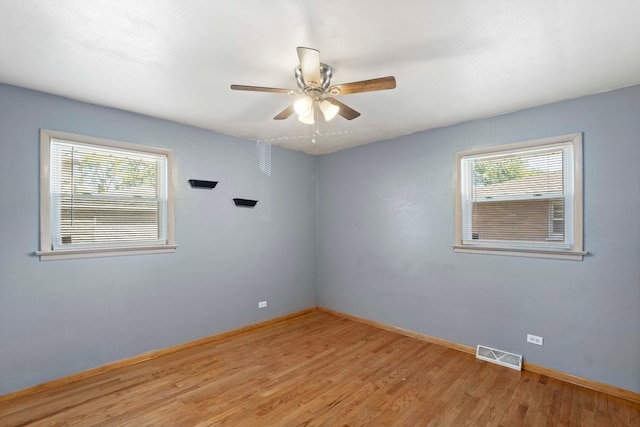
x=105, y=196
x=520, y=197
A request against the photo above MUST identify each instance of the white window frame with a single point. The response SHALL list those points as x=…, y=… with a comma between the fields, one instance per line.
x=47, y=251
x=574, y=251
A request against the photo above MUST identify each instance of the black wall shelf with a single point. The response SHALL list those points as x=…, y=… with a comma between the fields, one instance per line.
x=247, y=203
x=200, y=183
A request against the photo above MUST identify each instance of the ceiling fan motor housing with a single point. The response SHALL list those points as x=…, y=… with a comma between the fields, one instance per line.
x=325, y=76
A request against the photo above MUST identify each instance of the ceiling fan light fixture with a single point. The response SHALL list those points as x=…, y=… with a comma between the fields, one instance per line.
x=303, y=106
x=328, y=109
x=307, y=119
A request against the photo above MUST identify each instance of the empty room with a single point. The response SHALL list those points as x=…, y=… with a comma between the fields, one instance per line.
x=283, y=213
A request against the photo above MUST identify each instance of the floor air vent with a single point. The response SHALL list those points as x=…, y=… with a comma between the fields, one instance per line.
x=504, y=358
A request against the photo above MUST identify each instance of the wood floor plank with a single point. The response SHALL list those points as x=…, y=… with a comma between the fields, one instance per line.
x=318, y=370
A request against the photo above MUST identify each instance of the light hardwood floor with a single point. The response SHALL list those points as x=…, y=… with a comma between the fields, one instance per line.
x=319, y=370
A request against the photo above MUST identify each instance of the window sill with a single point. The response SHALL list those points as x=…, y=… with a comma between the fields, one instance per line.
x=531, y=253
x=59, y=254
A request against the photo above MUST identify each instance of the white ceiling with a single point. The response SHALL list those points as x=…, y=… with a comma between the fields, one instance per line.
x=454, y=60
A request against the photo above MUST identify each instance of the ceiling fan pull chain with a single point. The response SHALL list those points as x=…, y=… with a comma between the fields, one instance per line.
x=315, y=124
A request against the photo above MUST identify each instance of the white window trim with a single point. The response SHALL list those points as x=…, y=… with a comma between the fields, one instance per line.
x=577, y=252
x=46, y=252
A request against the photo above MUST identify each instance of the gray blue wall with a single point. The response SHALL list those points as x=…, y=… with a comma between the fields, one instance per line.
x=62, y=317
x=380, y=248
x=386, y=226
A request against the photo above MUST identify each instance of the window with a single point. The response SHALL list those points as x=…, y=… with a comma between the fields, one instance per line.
x=522, y=199
x=103, y=198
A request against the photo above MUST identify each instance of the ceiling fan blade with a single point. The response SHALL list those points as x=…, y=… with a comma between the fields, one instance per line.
x=345, y=111
x=309, y=64
x=381, y=83
x=263, y=89
x=285, y=113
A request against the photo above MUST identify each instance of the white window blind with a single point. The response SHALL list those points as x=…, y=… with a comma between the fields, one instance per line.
x=519, y=198
x=102, y=196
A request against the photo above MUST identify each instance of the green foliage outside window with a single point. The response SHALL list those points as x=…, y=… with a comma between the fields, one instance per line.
x=497, y=171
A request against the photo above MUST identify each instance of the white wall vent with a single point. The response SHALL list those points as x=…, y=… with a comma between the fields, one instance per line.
x=504, y=358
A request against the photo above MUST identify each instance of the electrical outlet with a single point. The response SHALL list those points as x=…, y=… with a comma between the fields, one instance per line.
x=534, y=339
x=262, y=304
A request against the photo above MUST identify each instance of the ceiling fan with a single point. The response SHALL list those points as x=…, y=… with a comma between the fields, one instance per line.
x=314, y=83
